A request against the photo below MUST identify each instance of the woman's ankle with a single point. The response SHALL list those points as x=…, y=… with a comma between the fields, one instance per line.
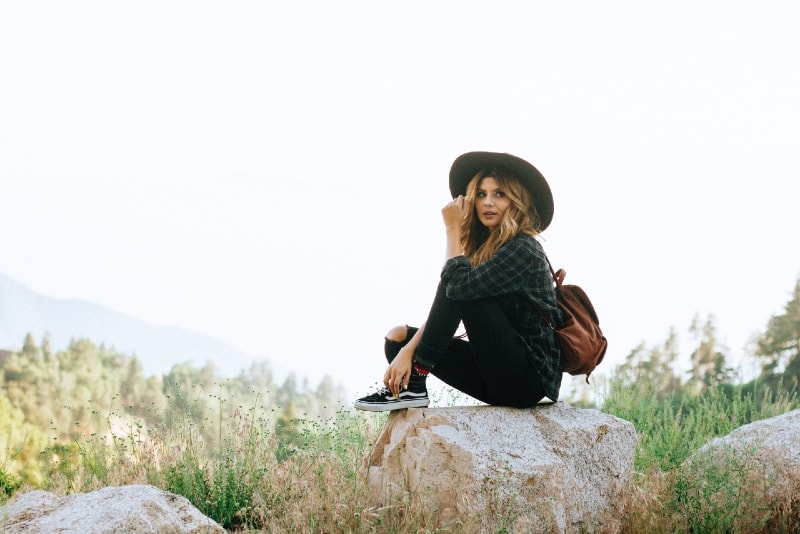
x=417, y=369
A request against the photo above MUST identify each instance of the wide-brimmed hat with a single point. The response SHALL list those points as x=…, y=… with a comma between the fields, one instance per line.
x=467, y=165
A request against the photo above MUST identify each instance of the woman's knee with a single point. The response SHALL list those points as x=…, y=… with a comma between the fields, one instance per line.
x=397, y=334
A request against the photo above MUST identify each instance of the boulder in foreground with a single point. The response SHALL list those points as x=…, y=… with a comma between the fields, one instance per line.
x=552, y=468
x=747, y=481
x=135, y=509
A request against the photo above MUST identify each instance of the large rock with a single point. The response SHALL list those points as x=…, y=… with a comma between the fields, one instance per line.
x=552, y=468
x=111, y=510
x=745, y=481
x=772, y=443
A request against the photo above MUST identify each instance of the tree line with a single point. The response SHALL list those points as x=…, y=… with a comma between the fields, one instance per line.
x=51, y=401
x=775, y=352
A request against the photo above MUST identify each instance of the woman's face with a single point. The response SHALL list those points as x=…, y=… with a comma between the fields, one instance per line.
x=491, y=203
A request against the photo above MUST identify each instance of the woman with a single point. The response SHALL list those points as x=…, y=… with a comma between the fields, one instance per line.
x=495, y=279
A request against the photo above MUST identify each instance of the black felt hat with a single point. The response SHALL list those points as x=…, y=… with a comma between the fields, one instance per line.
x=467, y=165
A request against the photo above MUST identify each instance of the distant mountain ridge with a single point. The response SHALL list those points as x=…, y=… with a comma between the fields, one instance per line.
x=23, y=311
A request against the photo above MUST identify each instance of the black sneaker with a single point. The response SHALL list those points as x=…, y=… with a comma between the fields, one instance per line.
x=416, y=396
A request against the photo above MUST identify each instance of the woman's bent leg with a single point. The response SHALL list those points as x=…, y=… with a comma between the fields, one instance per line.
x=394, y=341
x=501, y=357
x=443, y=320
x=494, y=365
x=457, y=369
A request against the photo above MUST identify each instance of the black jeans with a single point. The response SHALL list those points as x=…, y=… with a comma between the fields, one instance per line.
x=493, y=366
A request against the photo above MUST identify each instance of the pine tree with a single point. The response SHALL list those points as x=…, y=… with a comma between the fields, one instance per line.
x=708, y=361
x=779, y=346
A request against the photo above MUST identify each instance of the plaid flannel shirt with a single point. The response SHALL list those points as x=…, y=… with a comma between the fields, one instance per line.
x=519, y=277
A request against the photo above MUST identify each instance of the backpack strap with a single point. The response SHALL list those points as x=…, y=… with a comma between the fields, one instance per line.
x=558, y=278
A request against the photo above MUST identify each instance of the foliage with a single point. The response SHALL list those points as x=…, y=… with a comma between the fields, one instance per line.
x=708, y=361
x=779, y=346
x=725, y=494
x=51, y=401
x=20, y=445
x=671, y=428
x=8, y=485
x=658, y=362
x=222, y=483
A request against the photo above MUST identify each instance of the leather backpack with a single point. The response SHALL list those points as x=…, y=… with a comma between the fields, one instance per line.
x=582, y=343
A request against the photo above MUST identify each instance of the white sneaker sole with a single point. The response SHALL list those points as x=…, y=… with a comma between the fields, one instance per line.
x=391, y=406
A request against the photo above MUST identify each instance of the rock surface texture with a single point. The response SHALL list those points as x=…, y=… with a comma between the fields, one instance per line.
x=552, y=468
x=112, y=510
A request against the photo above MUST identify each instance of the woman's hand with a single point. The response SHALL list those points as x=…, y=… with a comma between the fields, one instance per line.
x=453, y=213
x=399, y=371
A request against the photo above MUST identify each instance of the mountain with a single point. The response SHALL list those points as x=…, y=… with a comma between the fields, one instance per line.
x=23, y=311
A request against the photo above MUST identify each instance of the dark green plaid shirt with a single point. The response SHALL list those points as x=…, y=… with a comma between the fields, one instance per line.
x=519, y=277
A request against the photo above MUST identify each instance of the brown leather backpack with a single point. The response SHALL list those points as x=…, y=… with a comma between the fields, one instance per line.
x=582, y=343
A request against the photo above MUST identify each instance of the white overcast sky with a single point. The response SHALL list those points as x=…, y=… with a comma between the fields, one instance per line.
x=271, y=173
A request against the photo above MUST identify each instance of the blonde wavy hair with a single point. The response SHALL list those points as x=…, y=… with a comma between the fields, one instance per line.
x=477, y=243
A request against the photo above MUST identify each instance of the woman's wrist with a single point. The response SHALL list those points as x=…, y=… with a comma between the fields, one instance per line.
x=406, y=353
x=453, y=245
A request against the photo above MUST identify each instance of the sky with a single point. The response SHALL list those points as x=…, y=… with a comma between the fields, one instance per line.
x=272, y=173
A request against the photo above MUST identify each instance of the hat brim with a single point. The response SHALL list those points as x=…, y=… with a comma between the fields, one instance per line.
x=467, y=165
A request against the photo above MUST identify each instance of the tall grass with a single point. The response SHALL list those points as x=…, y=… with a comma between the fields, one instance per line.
x=708, y=495
x=264, y=473
x=298, y=476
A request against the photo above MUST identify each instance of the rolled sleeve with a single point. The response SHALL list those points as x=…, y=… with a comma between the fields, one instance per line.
x=508, y=271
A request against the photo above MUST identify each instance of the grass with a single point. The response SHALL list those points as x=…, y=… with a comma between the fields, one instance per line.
x=268, y=474
x=677, y=488
x=301, y=477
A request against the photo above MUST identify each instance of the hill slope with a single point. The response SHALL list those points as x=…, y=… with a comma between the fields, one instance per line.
x=157, y=348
